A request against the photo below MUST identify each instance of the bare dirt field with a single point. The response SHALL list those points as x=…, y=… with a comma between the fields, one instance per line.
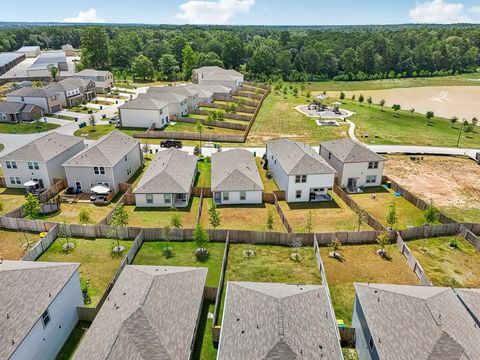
x=452, y=183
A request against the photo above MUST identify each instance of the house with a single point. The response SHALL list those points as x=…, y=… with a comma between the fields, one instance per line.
x=215, y=75
x=471, y=300
x=103, y=79
x=29, y=51
x=235, y=178
x=413, y=322
x=73, y=91
x=68, y=50
x=39, y=307
x=204, y=95
x=39, y=69
x=278, y=321
x=168, y=181
x=15, y=112
x=9, y=61
x=111, y=160
x=190, y=93
x=43, y=97
x=299, y=171
x=40, y=160
x=152, y=312
x=215, y=90
x=177, y=103
x=357, y=166
x=143, y=111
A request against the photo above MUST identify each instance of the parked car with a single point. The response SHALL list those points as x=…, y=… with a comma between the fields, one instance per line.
x=113, y=120
x=171, y=143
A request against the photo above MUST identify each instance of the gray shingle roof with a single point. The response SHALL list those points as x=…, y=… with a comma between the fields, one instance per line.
x=235, y=170
x=418, y=322
x=106, y=151
x=43, y=149
x=92, y=72
x=297, y=158
x=214, y=89
x=9, y=107
x=471, y=299
x=278, y=321
x=151, y=313
x=172, y=171
x=350, y=151
x=28, y=288
x=68, y=84
x=217, y=71
x=181, y=90
x=143, y=102
x=32, y=92
x=169, y=97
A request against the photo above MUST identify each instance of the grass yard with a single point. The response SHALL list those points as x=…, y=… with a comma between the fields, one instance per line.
x=330, y=216
x=69, y=213
x=147, y=159
x=94, y=132
x=445, y=265
x=98, y=264
x=159, y=217
x=13, y=244
x=151, y=253
x=269, y=184
x=204, y=174
x=204, y=348
x=189, y=127
x=83, y=109
x=102, y=102
x=407, y=213
x=27, y=128
x=11, y=199
x=62, y=117
x=362, y=264
x=73, y=341
x=242, y=217
x=115, y=96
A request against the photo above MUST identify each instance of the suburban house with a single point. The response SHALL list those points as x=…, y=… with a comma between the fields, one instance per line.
x=235, y=178
x=177, y=103
x=168, y=180
x=189, y=93
x=103, y=79
x=112, y=159
x=9, y=61
x=278, y=321
x=39, y=307
x=15, y=112
x=73, y=91
x=204, y=95
x=412, y=322
x=29, y=51
x=215, y=75
x=357, y=166
x=40, y=160
x=216, y=90
x=299, y=171
x=152, y=312
x=48, y=100
x=68, y=50
x=39, y=69
x=142, y=112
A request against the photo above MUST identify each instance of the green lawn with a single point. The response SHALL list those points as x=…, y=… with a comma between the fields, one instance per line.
x=98, y=263
x=362, y=264
x=151, y=253
x=461, y=214
x=94, y=132
x=14, y=244
x=27, y=128
x=445, y=265
x=269, y=185
x=73, y=341
x=203, y=348
x=83, y=109
x=204, y=173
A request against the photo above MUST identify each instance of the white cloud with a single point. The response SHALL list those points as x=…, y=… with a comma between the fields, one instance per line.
x=89, y=16
x=212, y=12
x=439, y=12
x=474, y=10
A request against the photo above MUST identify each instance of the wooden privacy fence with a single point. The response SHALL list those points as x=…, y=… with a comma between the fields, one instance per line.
x=257, y=110
x=215, y=123
x=58, y=186
x=240, y=109
x=249, y=84
x=225, y=116
x=35, y=252
x=248, y=94
x=199, y=210
x=221, y=281
x=283, y=218
x=470, y=237
x=153, y=134
x=412, y=260
x=245, y=102
x=206, y=192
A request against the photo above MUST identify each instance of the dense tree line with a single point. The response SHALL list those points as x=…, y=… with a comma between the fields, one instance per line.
x=291, y=53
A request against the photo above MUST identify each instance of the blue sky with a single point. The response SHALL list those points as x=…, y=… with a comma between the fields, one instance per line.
x=263, y=12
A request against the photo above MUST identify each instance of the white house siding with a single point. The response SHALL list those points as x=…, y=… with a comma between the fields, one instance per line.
x=86, y=176
x=319, y=181
x=361, y=334
x=158, y=201
x=134, y=162
x=252, y=197
x=144, y=118
x=45, y=343
x=361, y=171
x=25, y=174
x=177, y=109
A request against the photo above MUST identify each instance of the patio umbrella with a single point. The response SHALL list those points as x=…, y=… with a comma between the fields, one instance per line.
x=30, y=183
x=100, y=189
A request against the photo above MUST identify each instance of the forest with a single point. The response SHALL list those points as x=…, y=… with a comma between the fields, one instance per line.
x=262, y=53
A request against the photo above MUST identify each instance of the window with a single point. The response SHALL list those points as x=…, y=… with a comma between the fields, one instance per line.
x=167, y=198
x=45, y=318
x=149, y=198
x=298, y=194
x=243, y=195
x=129, y=170
x=14, y=164
x=30, y=165
x=370, y=343
x=371, y=179
x=125, y=157
x=301, y=179
x=95, y=170
x=35, y=165
x=12, y=180
x=373, y=165
x=18, y=180
x=9, y=165
x=78, y=185
x=102, y=170
x=226, y=196
x=99, y=170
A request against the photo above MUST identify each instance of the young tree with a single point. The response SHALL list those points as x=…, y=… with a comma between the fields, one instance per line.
x=53, y=71
x=383, y=240
x=214, y=215
x=336, y=246
x=453, y=120
x=430, y=214
x=308, y=94
x=474, y=121
x=361, y=217
x=354, y=97
x=429, y=115
x=92, y=121
x=146, y=149
x=200, y=128
x=269, y=224
x=64, y=233
x=296, y=245
x=396, y=107
x=31, y=207
x=142, y=67
x=342, y=95
x=84, y=216
x=176, y=221
x=309, y=227
x=361, y=99
x=119, y=221
x=167, y=236
x=382, y=103
x=200, y=236
x=369, y=101
x=391, y=217
x=219, y=114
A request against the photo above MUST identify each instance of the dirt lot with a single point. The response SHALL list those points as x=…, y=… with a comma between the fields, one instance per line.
x=450, y=182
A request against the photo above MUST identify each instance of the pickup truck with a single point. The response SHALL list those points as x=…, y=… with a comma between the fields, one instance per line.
x=171, y=143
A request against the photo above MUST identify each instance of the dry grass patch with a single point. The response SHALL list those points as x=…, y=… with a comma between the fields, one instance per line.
x=11, y=199
x=362, y=264
x=69, y=213
x=13, y=244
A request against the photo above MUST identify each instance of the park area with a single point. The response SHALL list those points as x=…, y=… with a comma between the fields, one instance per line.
x=98, y=264
x=327, y=216
x=360, y=263
x=242, y=217
x=450, y=182
x=448, y=261
x=152, y=253
x=377, y=201
x=160, y=217
x=15, y=244
x=11, y=199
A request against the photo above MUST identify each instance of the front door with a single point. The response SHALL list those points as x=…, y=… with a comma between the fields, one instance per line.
x=352, y=183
